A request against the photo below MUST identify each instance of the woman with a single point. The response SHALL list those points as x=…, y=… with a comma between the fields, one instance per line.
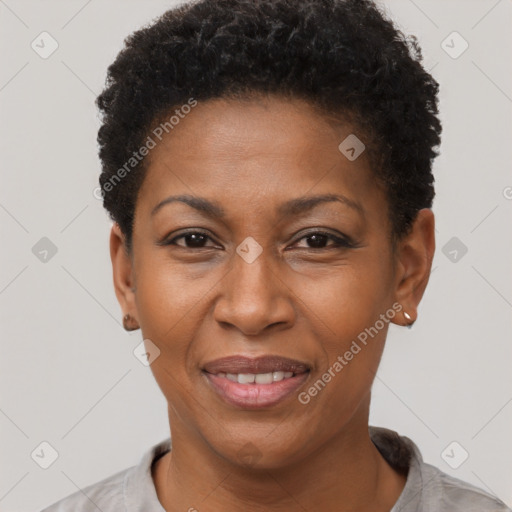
x=267, y=166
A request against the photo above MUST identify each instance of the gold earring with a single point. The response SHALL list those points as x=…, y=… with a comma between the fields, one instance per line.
x=129, y=323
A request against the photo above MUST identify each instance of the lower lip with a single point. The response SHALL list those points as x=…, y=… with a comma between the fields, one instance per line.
x=255, y=396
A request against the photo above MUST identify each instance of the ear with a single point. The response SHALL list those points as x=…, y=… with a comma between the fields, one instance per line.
x=122, y=267
x=414, y=255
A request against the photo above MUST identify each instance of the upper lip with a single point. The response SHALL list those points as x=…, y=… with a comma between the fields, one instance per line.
x=262, y=364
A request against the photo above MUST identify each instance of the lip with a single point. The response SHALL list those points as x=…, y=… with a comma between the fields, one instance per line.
x=262, y=364
x=255, y=396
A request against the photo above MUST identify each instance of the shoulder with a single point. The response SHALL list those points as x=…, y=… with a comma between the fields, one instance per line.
x=130, y=489
x=105, y=495
x=443, y=492
x=427, y=487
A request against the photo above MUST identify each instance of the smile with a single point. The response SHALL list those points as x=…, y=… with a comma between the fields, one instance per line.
x=255, y=383
x=258, y=378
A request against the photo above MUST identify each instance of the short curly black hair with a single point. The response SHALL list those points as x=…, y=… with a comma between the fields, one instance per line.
x=345, y=57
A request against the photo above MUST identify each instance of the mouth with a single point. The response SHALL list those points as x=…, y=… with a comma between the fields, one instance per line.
x=253, y=383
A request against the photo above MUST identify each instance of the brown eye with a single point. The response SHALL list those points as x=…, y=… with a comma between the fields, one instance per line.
x=193, y=240
x=320, y=239
x=317, y=241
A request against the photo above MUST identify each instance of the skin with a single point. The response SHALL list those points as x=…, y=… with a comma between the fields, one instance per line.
x=295, y=300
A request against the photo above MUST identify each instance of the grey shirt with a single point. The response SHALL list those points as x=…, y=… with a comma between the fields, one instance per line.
x=427, y=489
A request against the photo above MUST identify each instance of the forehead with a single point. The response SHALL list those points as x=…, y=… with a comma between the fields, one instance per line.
x=253, y=152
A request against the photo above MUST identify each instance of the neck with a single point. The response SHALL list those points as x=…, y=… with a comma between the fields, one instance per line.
x=346, y=474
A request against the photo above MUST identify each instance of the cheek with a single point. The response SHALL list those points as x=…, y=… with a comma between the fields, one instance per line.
x=352, y=343
x=167, y=293
x=167, y=308
x=351, y=297
x=352, y=311
x=172, y=303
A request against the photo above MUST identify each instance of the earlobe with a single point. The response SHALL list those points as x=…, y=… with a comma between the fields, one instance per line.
x=414, y=256
x=123, y=275
x=409, y=319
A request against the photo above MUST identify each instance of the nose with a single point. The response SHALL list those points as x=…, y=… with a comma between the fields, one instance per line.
x=254, y=297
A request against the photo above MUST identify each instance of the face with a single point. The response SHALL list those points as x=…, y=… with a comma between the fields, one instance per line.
x=239, y=278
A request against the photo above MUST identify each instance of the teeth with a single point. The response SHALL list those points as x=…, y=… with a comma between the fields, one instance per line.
x=245, y=378
x=258, y=378
x=277, y=376
x=264, y=378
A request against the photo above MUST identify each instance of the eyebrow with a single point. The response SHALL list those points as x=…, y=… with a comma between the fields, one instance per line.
x=287, y=209
x=306, y=203
x=201, y=204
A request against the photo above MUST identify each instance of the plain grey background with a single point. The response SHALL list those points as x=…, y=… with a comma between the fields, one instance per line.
x=68, y=374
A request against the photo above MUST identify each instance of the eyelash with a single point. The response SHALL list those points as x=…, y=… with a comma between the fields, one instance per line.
x=339, y=241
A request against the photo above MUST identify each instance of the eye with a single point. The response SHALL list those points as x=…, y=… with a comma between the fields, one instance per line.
x=319, y=239
x=192, y=239
x=315, y=240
